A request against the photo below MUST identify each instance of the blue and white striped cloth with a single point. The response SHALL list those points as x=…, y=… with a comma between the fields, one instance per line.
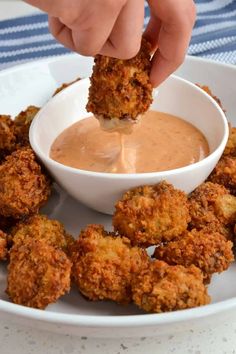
x=214, y=36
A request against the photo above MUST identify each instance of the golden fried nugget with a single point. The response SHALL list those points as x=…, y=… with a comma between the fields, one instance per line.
x=38, y=274
x=104, y=264
x=64, y=86
x=23, y=186
x=209, y=251
x=148, y=215
x=162, y=288
x=230, y=148
x=225, y=173
x=211, y=203
x=22, y=124
x=7, y=136
x=120, y=89
x=40, y=227
x=3, y=246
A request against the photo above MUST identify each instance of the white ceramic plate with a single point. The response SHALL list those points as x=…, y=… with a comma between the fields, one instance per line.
x=33, y=84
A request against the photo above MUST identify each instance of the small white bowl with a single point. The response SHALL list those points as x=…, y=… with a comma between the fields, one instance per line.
x=99, y=190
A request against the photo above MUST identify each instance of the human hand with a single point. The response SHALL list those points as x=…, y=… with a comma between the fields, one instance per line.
x=108, y=27
x=114, y=28
x=169, y=32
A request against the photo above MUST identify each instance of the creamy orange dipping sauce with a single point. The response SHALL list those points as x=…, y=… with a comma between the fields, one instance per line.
x=159, y=142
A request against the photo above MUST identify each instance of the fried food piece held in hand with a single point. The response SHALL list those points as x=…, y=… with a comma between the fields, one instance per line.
x=209, y=251
x=120, y=89
x=22, y=124
x=230, y=148
x=103, y=265
x=162, y=288
x=38, y=274
x=149, y=215
x=7, y=136
x=40, y=227
x=209, y=204
x=3, y=246
x=225, y=173
x=24, y=188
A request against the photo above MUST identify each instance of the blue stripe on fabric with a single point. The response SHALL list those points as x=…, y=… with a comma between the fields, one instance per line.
x=24, y=34
x=24, y=21
x=29, y=45
x=227, y=8
x=41, y=53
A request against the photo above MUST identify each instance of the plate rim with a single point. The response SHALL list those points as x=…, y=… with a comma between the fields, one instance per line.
x=119, y=321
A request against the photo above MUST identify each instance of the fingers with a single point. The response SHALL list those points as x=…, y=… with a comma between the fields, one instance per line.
x=92, y=28
x=61, y=32
x=172, y=37
x=125, y=38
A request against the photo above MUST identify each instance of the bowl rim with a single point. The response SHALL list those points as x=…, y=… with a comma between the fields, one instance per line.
x=130, y=176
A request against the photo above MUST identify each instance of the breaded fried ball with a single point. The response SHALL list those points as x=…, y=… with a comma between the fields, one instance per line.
x=120, y=89
x=40, y=227
x=148, y=215
x=209, y=251
x=22, y=124
x=3, y=246
x=225, y=173
x=209, y=92
x=230, y=148
x=23, y=186
x=103, y=265
x=162, y=288
x=211, y=203
x=38, y=274
x=64, y=86
x=7, y=136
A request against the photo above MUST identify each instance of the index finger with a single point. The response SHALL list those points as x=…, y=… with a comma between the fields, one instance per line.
x=172, y=37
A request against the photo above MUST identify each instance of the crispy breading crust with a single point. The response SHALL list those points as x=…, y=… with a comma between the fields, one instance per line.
x=7, y=136
x=23, y=186
x=22, y=124
x=3, y=246
x=38, y=274
x=225, y=173
x=41, y=227
x=230, y=148
x=209, y=251
x=103, y=265
x=148, y=215
x=121, y=88
x=162, y=288
x=211, y=203
x=64, y=86
x=209, y=92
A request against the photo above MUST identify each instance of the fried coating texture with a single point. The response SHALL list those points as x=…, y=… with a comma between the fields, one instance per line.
x=162, y=288
x=40, y=227
x=7, y=136
x=38, y=274
x=148, y=215
x=209, y=92
x=230, y=148
x=22, y=124
x=209, y=251
x=210, y=204
x=3, y=246
x=103, y=265
x=225, y=173
x=64, y=86
x=120, y=89
x=23, y=186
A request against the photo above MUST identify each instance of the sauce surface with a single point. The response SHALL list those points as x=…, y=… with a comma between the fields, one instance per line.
x=159, y=142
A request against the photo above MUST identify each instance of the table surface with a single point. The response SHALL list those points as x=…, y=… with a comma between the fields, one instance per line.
x=219, y=339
